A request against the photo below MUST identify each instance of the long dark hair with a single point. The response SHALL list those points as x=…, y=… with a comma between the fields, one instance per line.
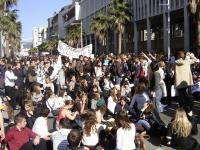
x=122, y=120
x=90, y=121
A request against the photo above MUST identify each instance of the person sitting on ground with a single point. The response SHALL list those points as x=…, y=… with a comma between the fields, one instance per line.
x=179, y=132
x=74, y=138
x=29, y=113
x=59, y=137
x=91, y=130
x=122, y=105
x=140, y=97
x=100, y=110
x=66, y=112
x=82, y=103
x=112, y=100
x=40, y=126
x=18, y=137
x=126, y=131
x=36, y=94
x=2, y=132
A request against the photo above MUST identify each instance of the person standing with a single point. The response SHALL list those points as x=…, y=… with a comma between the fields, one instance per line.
x=160, y=87
x=183, y=79
x=19, y=73
x=10, y=86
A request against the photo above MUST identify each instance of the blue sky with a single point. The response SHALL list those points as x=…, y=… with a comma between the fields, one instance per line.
x=34, y=13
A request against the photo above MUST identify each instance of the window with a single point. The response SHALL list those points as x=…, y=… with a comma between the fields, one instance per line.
x=178, y=30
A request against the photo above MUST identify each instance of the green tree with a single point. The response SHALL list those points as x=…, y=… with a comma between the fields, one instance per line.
x=49, y=46
x=33, y=50
x=100, y=25
x=120, y=15
x=52, y=46
x=11, y=29
x=73, y=35
x=6, y=4
x=9, y=26
x=194, y=7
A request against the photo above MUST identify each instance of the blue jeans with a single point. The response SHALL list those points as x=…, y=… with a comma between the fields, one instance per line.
x=144, y=124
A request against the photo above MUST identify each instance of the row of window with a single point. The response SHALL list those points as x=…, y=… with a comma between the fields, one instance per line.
x=177, y=31
x=146, y=8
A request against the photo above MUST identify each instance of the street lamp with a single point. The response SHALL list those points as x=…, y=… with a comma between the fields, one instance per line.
x=81, y=31
x=168, y=28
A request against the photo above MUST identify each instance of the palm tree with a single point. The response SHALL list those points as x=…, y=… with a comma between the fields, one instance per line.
x=100, y=25
x=194, y=6
x=11, y=29
x=120, y=15
x=6, y=4
x=73, y=35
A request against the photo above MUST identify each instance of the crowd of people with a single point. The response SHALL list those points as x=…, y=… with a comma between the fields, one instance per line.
x=98, y=103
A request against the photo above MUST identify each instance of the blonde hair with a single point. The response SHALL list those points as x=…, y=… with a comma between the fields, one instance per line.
x=162, y=64
x=181, y=125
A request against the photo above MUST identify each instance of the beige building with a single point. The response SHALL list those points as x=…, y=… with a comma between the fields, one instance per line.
x=39, y=35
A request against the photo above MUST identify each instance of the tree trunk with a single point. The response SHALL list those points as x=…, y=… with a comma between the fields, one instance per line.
x=95, y=44
x=120, y=43
x=198, y=35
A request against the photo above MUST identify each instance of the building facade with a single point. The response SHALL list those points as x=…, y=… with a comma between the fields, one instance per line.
x=39, y=35
x=56, y=24
x=153, y=18
x=150, y=24
x=148, y=28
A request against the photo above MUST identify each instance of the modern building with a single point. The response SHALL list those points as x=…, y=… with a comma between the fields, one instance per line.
x=39, y=35
x=89, y=9
x=148, y=30
x=153, y=18
x=56, y=24
x=150, y=24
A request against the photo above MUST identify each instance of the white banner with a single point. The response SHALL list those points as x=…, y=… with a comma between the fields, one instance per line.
x=71, y=52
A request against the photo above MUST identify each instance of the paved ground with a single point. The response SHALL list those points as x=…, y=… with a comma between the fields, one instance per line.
x=154, y=143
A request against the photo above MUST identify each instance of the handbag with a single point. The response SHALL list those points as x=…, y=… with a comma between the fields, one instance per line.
x=54, y=112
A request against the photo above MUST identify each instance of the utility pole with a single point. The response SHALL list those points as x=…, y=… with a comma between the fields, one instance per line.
x=168, y=28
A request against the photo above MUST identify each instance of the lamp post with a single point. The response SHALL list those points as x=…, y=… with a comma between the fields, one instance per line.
x=168, y=28
x=81, y=31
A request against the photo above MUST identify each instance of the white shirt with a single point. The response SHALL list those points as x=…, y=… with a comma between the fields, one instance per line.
x=98, y=71
x=54, y=103
x=10, y=78
x=40, y=127
x=111, y=104
x=126, y=138
x=93, y=138
x=59, y=139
